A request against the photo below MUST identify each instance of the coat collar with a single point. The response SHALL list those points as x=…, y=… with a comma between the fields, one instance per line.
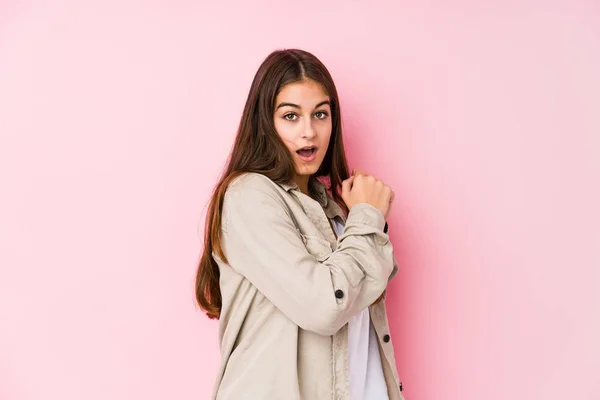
x=319, y=193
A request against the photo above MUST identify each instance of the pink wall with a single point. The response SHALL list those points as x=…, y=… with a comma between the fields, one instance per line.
x=116, y=118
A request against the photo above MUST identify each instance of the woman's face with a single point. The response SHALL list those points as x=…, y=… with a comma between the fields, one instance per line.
x=303, y=121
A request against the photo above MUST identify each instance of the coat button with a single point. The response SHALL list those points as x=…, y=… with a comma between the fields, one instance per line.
x=339, y=294
x=386, y=338
x=401, y=386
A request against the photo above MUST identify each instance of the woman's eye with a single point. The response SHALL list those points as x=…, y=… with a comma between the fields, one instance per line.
x=321, y=115
x=290, y=117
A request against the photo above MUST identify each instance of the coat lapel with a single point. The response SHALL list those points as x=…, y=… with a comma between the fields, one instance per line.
x=320, y=208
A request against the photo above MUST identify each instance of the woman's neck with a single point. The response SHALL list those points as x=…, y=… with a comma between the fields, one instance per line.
x=302, y=182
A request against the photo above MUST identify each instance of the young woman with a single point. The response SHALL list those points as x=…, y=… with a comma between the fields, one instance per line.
x=296, y=256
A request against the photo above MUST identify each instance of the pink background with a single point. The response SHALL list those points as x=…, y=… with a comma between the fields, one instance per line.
x=116, y=118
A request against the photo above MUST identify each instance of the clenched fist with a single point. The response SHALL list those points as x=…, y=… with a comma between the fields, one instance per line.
x=364, y=188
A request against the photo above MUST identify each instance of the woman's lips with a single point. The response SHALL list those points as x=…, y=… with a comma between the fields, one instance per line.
x=307, y=154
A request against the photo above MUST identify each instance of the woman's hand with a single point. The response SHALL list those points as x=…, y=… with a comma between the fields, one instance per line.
x=364, y=188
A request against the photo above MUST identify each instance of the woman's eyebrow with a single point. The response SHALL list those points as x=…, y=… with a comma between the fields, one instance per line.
x=323, y=103
x=298, y=107
x=287, y=105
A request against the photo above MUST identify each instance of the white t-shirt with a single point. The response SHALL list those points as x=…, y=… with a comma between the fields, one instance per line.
x=364, y=361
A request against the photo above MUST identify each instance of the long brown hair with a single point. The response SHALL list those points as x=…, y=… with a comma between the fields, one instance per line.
x=258, y=148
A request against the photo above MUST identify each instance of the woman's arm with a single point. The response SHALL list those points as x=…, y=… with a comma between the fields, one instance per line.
x=261, y=242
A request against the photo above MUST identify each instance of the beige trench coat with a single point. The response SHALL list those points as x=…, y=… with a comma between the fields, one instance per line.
x=290, y=288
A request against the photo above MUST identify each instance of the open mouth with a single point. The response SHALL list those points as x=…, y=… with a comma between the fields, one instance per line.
x=307, y=151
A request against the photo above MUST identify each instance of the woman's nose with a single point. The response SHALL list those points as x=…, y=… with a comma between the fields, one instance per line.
x=308, y=132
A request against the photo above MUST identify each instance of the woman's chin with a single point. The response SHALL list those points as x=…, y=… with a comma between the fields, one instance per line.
x=307, y=170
